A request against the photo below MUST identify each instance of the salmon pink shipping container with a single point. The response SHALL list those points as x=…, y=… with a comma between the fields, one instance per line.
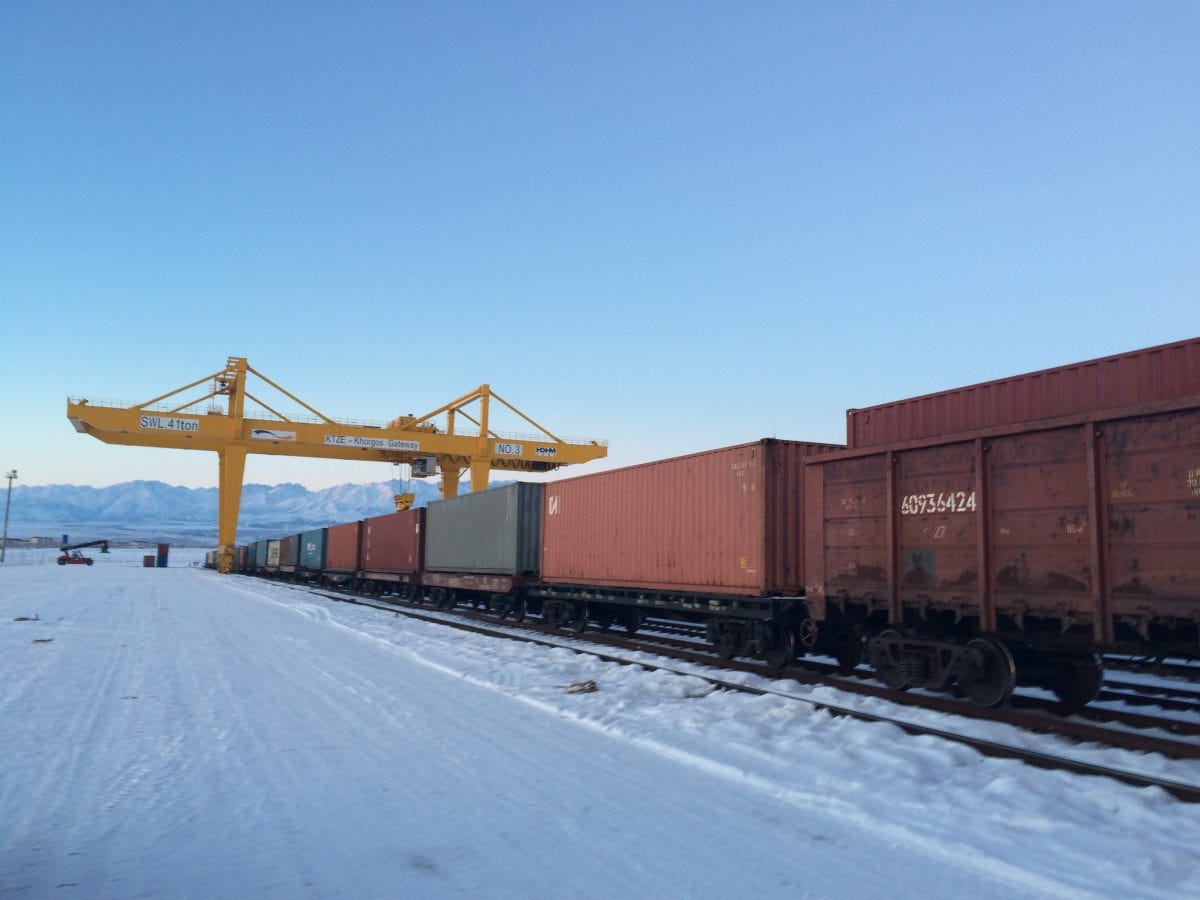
x=1142, y=378
x=392, y=543
x=727, y=521
x=342, y=547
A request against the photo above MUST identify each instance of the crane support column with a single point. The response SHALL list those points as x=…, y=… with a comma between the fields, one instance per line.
x=479, y=474
x=450, y=475
x=232, y=460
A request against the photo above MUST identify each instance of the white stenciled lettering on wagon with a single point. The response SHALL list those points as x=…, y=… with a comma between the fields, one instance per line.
x=941, y=502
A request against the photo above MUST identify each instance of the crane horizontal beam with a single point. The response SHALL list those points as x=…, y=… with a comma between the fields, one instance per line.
x=133, y=426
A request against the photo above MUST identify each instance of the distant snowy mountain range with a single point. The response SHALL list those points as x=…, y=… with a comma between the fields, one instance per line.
x=154, y=511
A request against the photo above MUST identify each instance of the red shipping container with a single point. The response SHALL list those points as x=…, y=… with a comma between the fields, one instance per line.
x=1163, y=374
x=343, y=547
x=394, y=543
x=727, y=521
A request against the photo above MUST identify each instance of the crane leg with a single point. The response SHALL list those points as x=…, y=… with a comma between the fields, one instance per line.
x=229, y=500
x=480, y=468
x=450, y=474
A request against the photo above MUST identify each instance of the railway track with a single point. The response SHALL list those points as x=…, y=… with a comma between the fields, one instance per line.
x=1181, y=671
x=1174, y=698
x=1035, y=718
x=1131, y=693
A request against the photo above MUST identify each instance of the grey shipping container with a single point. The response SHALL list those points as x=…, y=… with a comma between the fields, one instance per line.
x=497, y=531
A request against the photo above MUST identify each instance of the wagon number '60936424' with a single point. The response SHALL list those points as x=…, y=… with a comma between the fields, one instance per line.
x=948, y=502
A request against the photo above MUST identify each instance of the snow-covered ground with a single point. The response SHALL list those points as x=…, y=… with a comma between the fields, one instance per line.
x=178, y=733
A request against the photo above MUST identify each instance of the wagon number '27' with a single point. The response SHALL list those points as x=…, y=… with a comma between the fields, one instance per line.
x=949, y=502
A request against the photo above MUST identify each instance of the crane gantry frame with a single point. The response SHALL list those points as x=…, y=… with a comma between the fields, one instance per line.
x=406, y=439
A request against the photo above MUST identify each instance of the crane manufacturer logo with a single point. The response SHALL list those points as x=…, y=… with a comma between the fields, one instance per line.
x=169, y=423
x=269, y=434
x=508, y=449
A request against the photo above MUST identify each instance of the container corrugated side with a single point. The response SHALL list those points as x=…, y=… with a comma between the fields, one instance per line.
x=493, y=532
x=727, y=521
x=393, y=543
x=260, y=553
x=312, y=548
x=342, y=547
x=1160, y=374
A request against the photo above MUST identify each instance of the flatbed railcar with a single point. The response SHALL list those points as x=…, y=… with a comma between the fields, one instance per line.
x=714, y=538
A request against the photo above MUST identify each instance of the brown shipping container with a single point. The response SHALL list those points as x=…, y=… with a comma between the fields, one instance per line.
x=1094, y=526
x=393, y=543
x=289, y=550
x=727, y=521
x=343, y=546
x=1161, y=374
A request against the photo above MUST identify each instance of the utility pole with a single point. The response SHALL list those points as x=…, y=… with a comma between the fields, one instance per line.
x=10, y=475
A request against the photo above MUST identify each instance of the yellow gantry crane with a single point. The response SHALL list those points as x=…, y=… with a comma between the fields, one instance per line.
x=419, y=441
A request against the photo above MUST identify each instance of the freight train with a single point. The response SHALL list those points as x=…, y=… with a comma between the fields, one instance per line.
x=1000, y=534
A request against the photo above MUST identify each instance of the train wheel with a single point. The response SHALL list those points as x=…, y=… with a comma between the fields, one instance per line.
x=1078, y=683
x=632, y=622
x=517, y=611
x=783, y=650
x=886, y=657
x=988, y=676
x=579, y=618
x=808, y=632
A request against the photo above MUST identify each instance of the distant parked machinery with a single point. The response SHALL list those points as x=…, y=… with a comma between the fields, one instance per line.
x=1001, y=534
x=70, y=555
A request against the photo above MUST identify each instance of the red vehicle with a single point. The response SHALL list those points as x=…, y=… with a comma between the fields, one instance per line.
x=72, y=557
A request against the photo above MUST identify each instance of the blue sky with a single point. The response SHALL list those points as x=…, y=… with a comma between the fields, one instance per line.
x=674, y=226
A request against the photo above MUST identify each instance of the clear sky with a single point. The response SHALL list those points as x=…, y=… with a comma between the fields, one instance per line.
x=675, y=226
